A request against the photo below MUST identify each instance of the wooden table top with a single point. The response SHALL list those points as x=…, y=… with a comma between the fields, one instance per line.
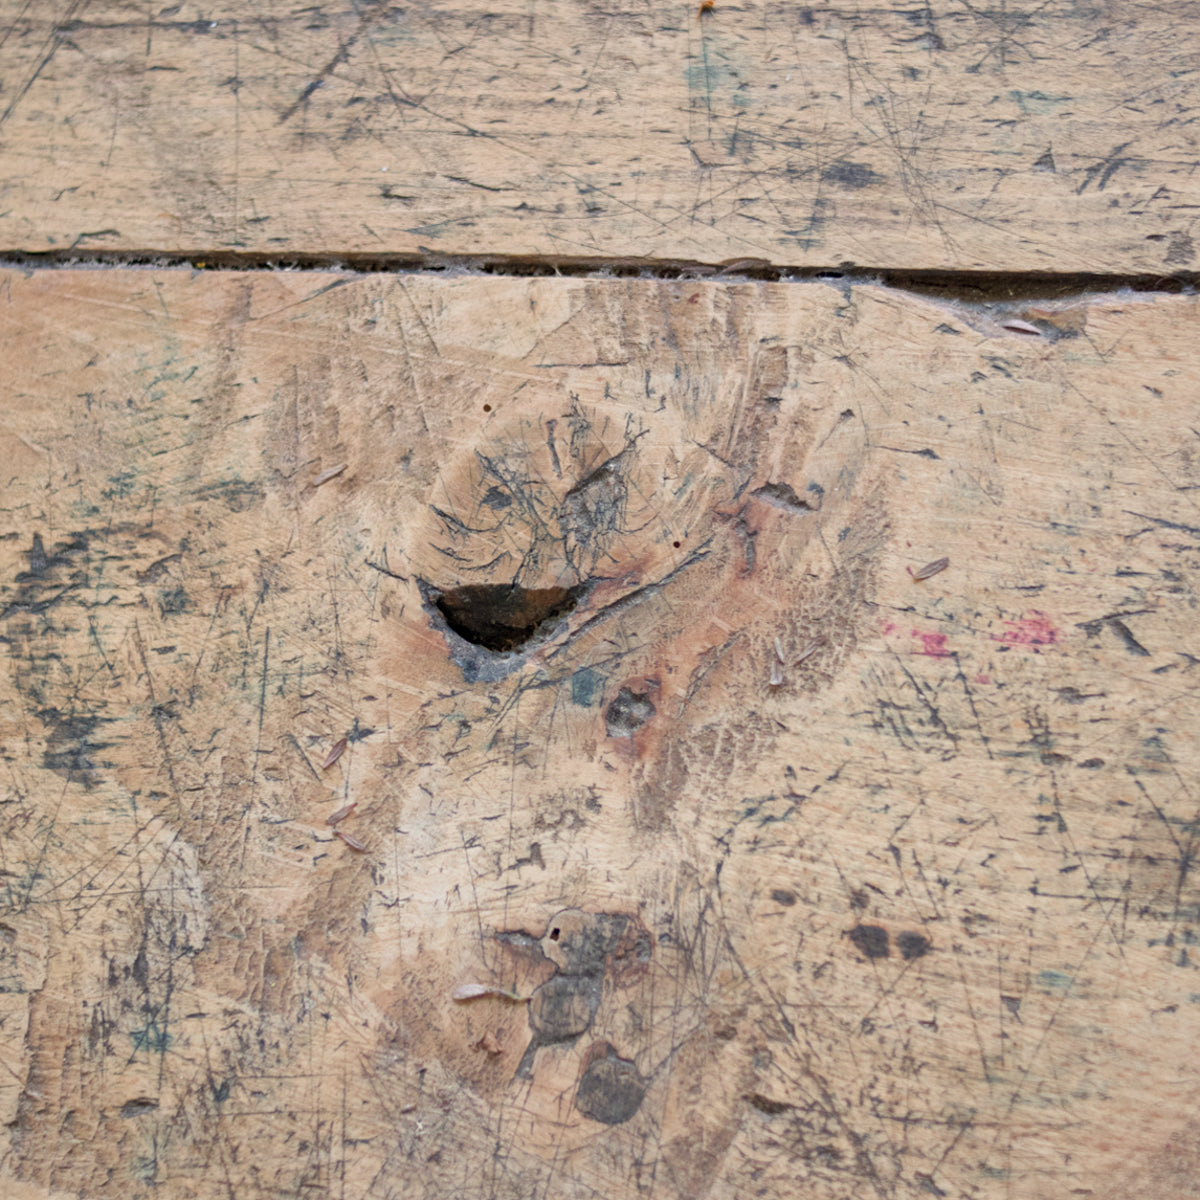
x=662, y=662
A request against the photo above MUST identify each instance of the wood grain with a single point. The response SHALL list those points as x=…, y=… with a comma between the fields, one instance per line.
x=803, y=872
x=1044, y=136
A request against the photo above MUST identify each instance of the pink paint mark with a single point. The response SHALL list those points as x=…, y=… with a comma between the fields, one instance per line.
x=934, y=644
x=1032, y=630
x=983, y=679
x=890, y=627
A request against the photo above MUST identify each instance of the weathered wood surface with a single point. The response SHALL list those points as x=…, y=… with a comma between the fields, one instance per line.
x=818, y=876
x=1040, y=135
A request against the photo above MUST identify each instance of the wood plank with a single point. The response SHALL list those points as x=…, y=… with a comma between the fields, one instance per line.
x=1048, y=136
x=804, y=870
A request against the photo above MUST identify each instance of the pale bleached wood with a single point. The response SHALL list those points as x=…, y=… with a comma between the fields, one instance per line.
x=1039, y=136
x=919, y=918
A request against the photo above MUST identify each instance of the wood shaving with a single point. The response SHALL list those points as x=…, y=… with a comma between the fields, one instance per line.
x=929, y=570
x=473, y=991
x=326, y=476
x=336, y=752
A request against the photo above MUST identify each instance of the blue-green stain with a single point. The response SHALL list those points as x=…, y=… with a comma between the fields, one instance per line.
x=1155, y=750
x=151, y=1038
x=715, y=77
x=1038, y=104
x=122, y=485
x=144, y=1168
x=586, y=686
x=1054, y=979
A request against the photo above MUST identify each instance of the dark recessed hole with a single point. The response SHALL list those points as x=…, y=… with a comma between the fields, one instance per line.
x=628, y=712
x=676, y=544
x=554, y=933
x=611, y=1089
x=500, y=616
x=139, y=1107
x=783, y=495
x=487, y=408
x=870, y=940
x=913, y=945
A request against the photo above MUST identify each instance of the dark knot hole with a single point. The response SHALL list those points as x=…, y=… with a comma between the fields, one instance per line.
x=503, y=617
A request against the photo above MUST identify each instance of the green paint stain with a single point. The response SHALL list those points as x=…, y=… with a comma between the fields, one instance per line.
x=1038, y=104
x=586, y=686
x=1054, y=979
x=151, y=1038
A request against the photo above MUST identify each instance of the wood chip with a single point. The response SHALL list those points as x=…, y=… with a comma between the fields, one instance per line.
x=1017, y=326
x=336, y=752
x=340, y=814
x=929, y=570
x=488, y=1043
x=473, y=991
x=332, y=473
x=350, y=841
x=808, y=651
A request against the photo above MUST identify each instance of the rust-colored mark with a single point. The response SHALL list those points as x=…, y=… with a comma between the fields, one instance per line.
x=340, y=814
x=1033, y=629
x=335, y=752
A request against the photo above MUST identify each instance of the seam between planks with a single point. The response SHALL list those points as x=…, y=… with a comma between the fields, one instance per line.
x=969, y=286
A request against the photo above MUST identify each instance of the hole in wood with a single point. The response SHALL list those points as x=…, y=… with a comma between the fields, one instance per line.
x=554, y=934
x=503, y=617
x=628, y=712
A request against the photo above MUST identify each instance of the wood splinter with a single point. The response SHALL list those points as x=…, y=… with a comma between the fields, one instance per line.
x=780, y=661
x=336, y=752
x=340, y=814
x=350, y=840
x=488, y=1044
x=473, y=991
x=929, y=570
x=331, y=473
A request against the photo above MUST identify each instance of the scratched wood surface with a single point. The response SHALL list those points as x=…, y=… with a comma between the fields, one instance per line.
x=1041, y=135
x=601, y=600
